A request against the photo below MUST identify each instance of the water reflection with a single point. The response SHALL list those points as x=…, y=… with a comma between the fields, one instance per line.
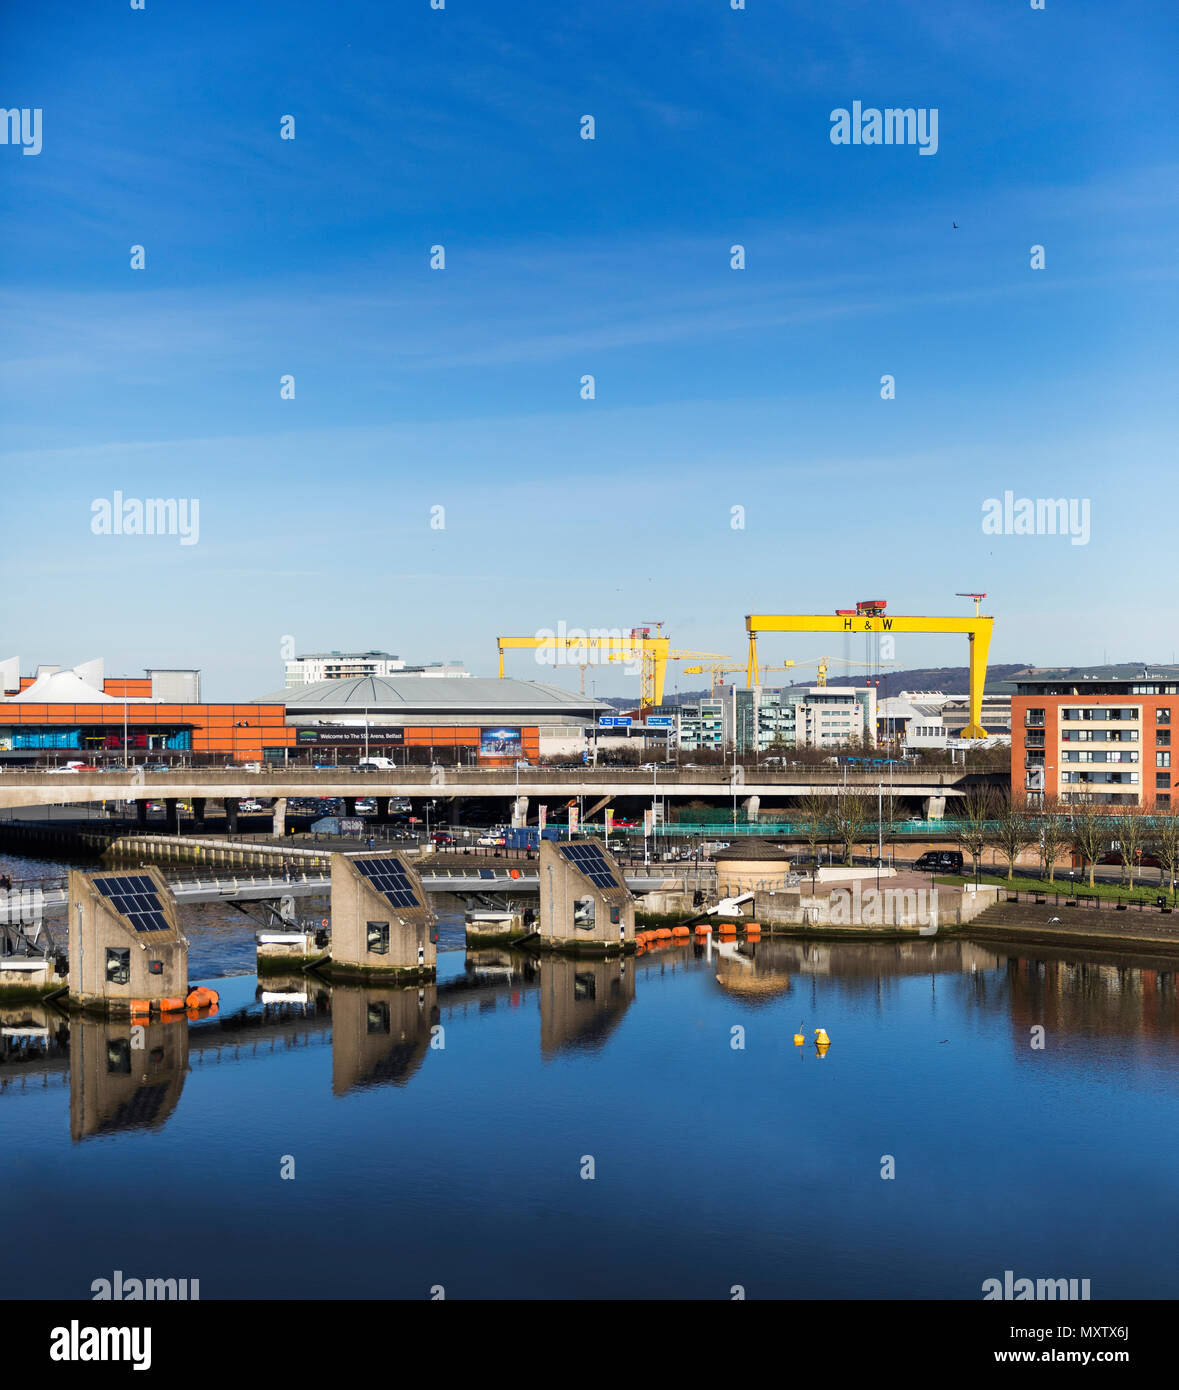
x=582, y=1002
x=379, y=1036
x=125, y=1077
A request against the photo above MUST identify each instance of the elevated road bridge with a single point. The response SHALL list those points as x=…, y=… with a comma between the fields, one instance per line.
x=554, y=786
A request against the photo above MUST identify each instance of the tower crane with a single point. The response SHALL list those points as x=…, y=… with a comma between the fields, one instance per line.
x=823, y=662
x=718, y=670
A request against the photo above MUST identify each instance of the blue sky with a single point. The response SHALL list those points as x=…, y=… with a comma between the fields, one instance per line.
x=460, y=388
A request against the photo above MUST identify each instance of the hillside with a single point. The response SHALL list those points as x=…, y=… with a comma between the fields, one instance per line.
x=950, y=680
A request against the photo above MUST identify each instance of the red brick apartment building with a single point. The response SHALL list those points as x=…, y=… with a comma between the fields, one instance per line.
x=1100, y=734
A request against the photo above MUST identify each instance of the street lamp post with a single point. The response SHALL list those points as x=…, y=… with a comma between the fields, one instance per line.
x=879, y=830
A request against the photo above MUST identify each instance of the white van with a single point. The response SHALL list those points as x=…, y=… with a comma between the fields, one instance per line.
x=377, y=764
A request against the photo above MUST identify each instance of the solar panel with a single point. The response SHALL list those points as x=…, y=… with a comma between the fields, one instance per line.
x=592, y=863
x=389, y=878
x=134, y=896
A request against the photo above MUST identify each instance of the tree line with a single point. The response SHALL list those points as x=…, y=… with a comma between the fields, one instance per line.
x=987, y=819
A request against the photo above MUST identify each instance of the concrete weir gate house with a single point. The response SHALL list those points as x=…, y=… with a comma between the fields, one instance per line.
x=125, y=941
x=382, y=922
x=584, y=901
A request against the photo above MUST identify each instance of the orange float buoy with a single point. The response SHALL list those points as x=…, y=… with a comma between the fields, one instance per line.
x=680, y=932
x=171, y=1006
x=728, y=929
x=664, y=934
x=140, y=1006
x=703, y=929
x=753, y=929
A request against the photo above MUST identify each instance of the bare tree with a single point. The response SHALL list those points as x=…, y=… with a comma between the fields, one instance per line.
x=1013, y=831
x=974, y=812
x=1052, y=830
x=851, y=811
x=1089, y=828
x=1163, y=840
x=1130, y=827
x=815, y=810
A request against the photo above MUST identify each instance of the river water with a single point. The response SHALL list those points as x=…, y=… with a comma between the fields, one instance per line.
x=624, y=1129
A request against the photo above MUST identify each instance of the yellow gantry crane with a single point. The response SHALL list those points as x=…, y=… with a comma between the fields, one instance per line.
x=652, y=651
x=868, y=616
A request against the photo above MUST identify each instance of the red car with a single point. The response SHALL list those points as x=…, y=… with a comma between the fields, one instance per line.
x=440, y=837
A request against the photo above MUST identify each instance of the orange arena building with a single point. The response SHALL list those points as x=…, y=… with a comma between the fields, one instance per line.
x=86, y=722
x=77, y=714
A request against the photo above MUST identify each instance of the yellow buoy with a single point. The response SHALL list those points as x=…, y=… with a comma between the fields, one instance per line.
x=799, y=1039
x=821, y=1038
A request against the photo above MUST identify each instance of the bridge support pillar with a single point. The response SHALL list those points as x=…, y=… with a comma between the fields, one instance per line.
x=231, y=805
x=520, y=811
x=141, y=811
x=752, y=805
x=171, y=816
x=382, y=808
x=934, y=807
x=198, y=809
x=278, y=826
x=349, y=805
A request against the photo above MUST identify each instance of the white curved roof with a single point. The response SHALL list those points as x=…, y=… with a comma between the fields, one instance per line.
x=64, y=688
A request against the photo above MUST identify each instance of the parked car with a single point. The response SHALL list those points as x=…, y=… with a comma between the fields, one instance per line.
x=945, y=861
x=374, y=764
x=440, y=837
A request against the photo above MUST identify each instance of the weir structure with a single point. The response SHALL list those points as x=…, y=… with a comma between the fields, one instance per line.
x=585, y=904
x=126, y=950
x=382, y=922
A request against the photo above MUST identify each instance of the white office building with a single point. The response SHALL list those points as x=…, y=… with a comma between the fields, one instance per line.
x=338, y=666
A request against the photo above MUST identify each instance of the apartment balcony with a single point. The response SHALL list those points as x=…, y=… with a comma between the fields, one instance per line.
x=1033, y=720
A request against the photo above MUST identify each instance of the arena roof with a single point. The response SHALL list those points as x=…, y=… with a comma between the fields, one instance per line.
x=412, y=695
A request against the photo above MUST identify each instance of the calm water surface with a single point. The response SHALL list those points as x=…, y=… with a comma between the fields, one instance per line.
x=714, y=1164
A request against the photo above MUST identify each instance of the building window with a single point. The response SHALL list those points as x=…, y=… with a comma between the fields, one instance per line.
x=1162, y=779
x=1162, y=737
x=1162, y=760
x=378, y=938
x=1162, y=716
x=118, y=965
x=1163, y=799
